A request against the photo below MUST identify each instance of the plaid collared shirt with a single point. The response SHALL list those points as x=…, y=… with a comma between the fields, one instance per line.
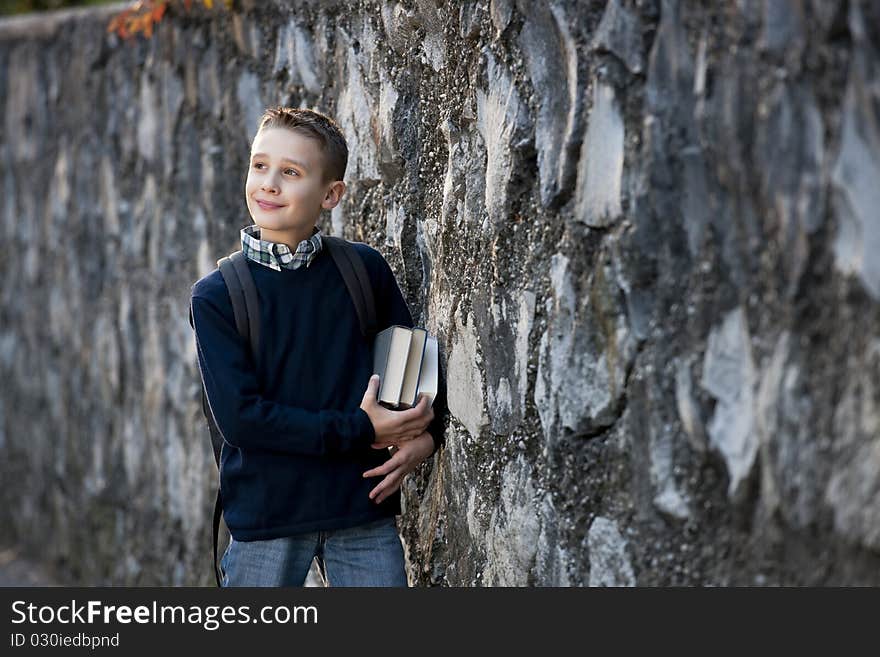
x=275, y=255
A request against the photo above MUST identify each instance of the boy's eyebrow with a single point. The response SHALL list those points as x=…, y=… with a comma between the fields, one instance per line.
x=283, y=159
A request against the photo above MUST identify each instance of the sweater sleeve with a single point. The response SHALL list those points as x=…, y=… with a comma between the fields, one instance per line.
x=398, y=313
x=245, y=418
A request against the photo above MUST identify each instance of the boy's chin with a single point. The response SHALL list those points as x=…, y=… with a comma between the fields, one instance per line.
x=262, y=222
x=275, y=225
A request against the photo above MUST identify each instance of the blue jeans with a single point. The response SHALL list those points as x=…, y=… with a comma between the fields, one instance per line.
x=367, y=555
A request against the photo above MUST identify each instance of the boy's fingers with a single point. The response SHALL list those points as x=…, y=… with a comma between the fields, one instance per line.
x=390, y=442
x=385, y=468
x=415, y=410
x=374, y=494
x=427, y=410
x=372, y=391
x=388, y=485
x=422, y=415
x=412, y=419
x=381, y=470
x=373, y=386
x=413, y=415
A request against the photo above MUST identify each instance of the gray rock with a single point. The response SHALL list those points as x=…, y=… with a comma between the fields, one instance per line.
x=729, y=375
x=793, y=471
x=25, y=111
x=295, y=54
x=501, y=11
x=469, y=19
x=857, y=168
x=783, y=28
x=688, y=410
x=609, y=562
x=503, y=122
x=600, y=169
x=552, y=560
x=251, y=104
x=584, y=355
x=210, y=91
x=433, y=20
x=399, y=24
x=670, y=85
x=148, y=124
x=551, y=56
x=464, y=382
x=514, y=529
x=387, y=118
x=355, y=110
x=172, y=101
x=853, y=490
x=246, y=35
x=464, y=186
x=504, y=335
x=790, y=140
x=696, y=204
x=668, y=498
x=620, y=32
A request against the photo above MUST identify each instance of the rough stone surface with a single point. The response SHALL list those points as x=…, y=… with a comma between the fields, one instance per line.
x=729, y=376
x=644, y=232
x=601, y=164
x=857, y=168
x=609, y=564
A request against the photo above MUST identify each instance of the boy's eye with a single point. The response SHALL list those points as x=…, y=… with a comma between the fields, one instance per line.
x=290, y=171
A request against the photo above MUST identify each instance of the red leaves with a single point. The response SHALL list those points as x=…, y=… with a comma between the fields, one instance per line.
x=159, y=11
x=143, y=15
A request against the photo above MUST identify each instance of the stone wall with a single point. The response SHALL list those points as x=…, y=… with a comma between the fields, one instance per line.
x=646, y=233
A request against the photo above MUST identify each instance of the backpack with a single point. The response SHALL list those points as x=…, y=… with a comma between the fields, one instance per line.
x=245, y=308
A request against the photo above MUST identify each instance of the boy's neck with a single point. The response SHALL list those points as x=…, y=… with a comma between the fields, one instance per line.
x=291, y=237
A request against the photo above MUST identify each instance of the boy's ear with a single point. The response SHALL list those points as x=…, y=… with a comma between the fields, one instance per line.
x=334, y=194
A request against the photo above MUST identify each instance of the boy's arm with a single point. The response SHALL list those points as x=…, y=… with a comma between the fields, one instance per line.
x=247, y=419
x=398, y=313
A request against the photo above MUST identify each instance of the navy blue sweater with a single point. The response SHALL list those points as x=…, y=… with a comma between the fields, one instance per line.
x=296, y=442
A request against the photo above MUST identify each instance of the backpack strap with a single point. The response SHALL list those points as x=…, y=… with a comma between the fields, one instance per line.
x=217, y=446
x=216, y=437
x=351, y=266
x=243, y=294
x=246, y=310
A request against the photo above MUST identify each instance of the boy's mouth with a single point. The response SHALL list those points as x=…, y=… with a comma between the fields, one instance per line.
x=268, y=206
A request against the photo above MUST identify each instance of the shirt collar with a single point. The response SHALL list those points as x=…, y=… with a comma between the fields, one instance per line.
x=276, y=255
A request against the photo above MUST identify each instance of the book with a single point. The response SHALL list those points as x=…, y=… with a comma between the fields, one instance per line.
x=390, y=353
x=430, y=374
x=406, y=361
x=409, y=389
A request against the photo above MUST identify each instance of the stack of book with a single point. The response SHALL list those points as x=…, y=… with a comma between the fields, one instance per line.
x=406, y=361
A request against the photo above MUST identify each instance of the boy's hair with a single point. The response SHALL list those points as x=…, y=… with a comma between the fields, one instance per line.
x=317, y=126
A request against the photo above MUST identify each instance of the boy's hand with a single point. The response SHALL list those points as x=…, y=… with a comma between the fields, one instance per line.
x=395, y=427
x=406, y=459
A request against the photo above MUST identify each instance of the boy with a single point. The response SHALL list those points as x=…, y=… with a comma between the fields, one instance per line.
x=303, y=441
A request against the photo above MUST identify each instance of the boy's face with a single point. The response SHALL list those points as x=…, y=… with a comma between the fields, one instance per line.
x=285, y=170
